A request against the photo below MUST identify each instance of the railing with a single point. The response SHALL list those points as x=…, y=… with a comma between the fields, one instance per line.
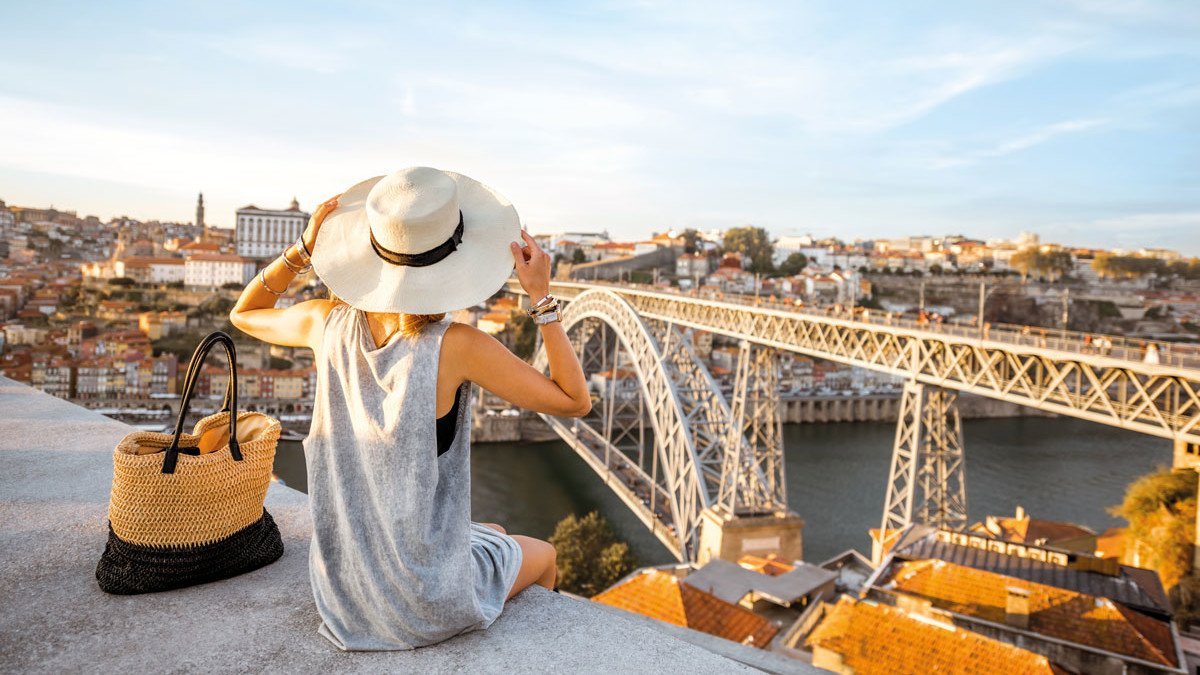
x=1186, y=355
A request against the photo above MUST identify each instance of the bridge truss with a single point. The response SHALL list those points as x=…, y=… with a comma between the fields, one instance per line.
x=700, y=451
x=662, y=436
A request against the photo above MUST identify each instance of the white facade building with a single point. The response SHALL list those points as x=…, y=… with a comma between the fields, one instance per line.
x=213, y=270
x=263, y=234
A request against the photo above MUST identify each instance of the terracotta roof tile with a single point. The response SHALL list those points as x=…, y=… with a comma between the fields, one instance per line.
x=1054, y=612
x=661, y=596
x=875, y=639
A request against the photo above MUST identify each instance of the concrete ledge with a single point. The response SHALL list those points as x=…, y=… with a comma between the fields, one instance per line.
x=55, y=476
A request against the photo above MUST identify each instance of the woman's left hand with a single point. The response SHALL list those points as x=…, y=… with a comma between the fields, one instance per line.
x=318, y=217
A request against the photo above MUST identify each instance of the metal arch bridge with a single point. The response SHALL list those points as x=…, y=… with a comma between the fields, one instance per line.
x=672, y=446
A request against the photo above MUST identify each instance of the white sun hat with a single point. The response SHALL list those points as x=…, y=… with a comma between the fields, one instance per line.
x=418, y=241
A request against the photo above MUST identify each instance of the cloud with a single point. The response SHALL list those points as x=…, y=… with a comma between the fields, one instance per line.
x=1029, y=140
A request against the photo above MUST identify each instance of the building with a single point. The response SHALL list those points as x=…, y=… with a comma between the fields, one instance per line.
x=662, y=596
x=214, y=270
x=157, y=325
x=691, y=265
x=148, y=270
x=1084, y=613
x=262, y=234
x=868, y=639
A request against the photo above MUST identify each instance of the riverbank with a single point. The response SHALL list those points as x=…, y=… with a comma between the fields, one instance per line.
x=528, y=427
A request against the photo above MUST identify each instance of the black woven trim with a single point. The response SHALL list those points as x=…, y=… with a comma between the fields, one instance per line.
x=128, y=569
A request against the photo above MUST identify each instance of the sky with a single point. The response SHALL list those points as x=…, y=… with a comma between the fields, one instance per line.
x=1076, y=119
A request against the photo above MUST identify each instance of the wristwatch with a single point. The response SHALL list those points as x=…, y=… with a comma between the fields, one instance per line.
x=547, y=317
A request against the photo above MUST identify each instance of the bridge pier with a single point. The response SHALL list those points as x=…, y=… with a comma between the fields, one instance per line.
x=1187, y=455
x=927, y=483
x=730, y=537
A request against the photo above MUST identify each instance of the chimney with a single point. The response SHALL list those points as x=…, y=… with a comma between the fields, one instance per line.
x=1016, y=608
x=1020, y=512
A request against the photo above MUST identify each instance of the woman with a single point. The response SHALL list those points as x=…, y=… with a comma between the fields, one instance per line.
x=395, y=560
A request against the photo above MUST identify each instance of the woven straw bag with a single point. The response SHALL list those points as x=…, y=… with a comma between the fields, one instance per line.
x=187, y=509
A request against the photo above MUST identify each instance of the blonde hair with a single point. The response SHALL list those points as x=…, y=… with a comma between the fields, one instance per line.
x=410, y=324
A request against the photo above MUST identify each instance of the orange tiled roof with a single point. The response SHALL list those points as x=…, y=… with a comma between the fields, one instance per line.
x=771, y=565
x=1032, y=530
x=876, y=639
x=1054, y=612
x=661, y=596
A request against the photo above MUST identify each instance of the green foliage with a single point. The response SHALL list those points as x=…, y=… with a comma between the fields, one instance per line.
x=1161, y=510
x=1052, y=265
x=524, y=334
x=578, y=256
x=793, y=264
x=1109, y=265
x=121, y=281
x=691, y=240
x=280, y=363
x=590, y=559
x=754, y=243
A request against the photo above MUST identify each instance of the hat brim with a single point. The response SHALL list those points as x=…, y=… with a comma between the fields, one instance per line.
x=345, y=261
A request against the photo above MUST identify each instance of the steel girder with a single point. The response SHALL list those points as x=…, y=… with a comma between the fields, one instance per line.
x=753, y=475
x=670, y=496
x=927, y=483
x=1160, y=400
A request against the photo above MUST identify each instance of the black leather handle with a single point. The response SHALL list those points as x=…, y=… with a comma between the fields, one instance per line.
x=193, y=375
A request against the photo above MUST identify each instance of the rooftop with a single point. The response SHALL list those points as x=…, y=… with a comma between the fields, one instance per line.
x=53, y=498
x=663, y=596
x=872, y=638
x=1053, y=612
x=1130, y=586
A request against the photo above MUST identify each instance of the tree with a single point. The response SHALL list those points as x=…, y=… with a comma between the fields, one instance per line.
x=1161, y=510
x=691, y=240
x=793, y=264
x=524, y=334
x=754, y=243
x=590, y=559
x=578, y=256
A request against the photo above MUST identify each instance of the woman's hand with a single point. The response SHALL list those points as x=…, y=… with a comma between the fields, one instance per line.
x=533, y=267
x=318, y=217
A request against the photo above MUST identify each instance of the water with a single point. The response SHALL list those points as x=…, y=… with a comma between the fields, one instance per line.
x=1058, y=469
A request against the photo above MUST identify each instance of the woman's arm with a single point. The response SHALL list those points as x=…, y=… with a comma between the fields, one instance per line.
x=492, y=366
x=296, y=326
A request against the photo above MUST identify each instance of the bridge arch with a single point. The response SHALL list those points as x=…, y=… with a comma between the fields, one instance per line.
x=677, y=473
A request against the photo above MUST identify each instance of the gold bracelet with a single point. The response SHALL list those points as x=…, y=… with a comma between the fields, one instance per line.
x=262, y=279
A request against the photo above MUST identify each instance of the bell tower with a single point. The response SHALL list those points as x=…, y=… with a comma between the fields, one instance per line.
x=200, y=216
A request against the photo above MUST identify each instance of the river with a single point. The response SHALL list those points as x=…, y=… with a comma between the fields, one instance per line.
x=1058, y=469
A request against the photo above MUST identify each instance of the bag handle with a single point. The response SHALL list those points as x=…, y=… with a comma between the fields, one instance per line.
x=173, y=451
x=193, y=369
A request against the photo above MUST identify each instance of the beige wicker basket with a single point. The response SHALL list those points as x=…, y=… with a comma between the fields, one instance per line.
x=209, y=496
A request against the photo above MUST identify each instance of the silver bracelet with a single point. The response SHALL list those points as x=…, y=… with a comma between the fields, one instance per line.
x=547, y=317
x=288, y=263
x=301, y=247
x=544, y=299
x=262, y=279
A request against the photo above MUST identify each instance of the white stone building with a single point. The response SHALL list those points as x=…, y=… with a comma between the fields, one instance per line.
x=213, y=270
x=263, y=234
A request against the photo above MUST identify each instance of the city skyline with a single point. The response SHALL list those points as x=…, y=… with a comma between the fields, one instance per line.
x=1076, y=119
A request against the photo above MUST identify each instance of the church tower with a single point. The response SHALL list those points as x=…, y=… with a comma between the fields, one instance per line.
x=200, y=216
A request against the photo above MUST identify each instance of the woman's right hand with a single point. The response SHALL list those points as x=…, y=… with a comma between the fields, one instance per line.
x=318, y=217
x=533, y=267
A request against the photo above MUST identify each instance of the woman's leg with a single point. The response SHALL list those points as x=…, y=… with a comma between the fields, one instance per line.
x=538, y=562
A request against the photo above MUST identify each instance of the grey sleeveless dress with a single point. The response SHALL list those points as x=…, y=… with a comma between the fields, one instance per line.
x=395, y=560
